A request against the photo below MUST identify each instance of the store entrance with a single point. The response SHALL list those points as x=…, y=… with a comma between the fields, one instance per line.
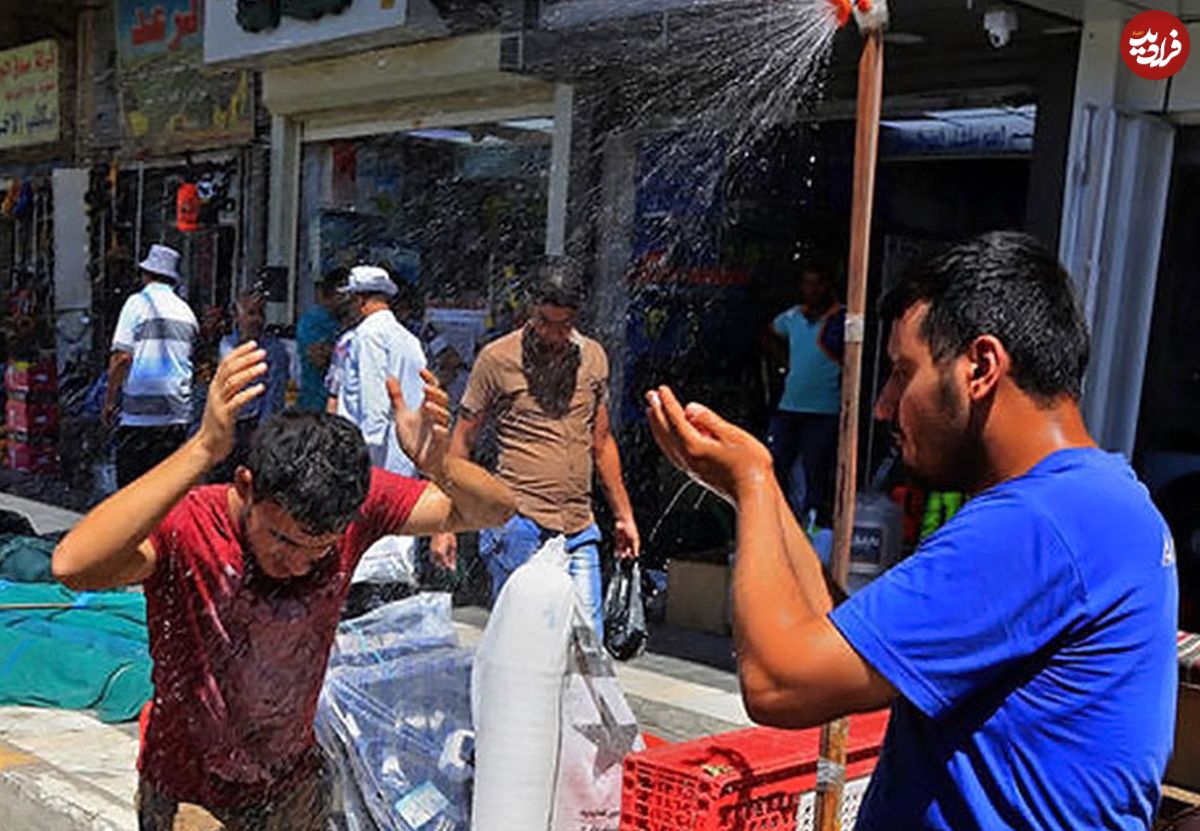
x=456, y=214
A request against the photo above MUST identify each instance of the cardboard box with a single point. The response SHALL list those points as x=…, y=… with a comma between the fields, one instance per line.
x=698, y=596
x=1184, y=769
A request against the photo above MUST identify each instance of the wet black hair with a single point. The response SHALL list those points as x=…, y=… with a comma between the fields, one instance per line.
x=334, y=279
x=559, y=283
x=1007, y=285
x=313, y=465
x=822, y=269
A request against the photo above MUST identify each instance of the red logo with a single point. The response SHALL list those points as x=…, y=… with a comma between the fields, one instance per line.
x=1155, y=45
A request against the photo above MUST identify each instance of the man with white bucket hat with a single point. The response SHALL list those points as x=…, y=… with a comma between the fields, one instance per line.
x=150, y=370
x=379, y=348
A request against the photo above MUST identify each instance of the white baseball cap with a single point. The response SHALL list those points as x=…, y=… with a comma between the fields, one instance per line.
x=162, y=261
x=369, y=279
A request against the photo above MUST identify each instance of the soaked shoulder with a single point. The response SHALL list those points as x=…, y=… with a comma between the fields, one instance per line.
x=593, y=355
x=505, y=349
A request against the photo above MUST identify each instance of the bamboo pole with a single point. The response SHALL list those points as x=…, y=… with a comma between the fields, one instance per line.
x=831, y=769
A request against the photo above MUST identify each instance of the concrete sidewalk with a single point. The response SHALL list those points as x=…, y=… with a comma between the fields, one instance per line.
x=66, y=771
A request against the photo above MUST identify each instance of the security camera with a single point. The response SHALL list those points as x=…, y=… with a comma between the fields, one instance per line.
x=1000, y=22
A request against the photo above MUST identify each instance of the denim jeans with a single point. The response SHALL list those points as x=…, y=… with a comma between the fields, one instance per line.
x=804, y=449
x=508, y=548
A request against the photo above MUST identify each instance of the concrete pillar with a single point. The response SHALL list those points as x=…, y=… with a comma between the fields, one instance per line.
x=614, y=252
x=1051, y=140
x=1114, y=207
x=282, y=210
x=560, y=170
x=72, y=287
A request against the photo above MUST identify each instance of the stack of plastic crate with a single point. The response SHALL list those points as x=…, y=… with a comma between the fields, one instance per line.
x=747, y=780
x=31, y=415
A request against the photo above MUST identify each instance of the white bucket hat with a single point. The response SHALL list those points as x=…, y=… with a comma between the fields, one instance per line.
x=162, y=261
x=370, y=279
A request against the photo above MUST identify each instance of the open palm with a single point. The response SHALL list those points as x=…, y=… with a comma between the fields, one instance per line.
x=423, y=433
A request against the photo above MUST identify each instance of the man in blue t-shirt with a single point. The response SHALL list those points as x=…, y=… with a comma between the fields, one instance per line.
x=1027, y=647
x=316, y=334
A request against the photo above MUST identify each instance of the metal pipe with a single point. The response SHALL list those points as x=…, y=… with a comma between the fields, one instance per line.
x=872, y=19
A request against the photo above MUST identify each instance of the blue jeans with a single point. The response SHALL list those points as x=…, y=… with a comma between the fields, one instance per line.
x=507, y=549
x=804, y=449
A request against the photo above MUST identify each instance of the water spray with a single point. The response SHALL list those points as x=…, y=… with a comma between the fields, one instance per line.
x=872, y=18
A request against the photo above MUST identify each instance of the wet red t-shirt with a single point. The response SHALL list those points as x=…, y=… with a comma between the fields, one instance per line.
x=239, y=657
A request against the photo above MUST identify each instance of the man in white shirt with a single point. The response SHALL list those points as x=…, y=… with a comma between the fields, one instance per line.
x=379, y=348
x=150, y=370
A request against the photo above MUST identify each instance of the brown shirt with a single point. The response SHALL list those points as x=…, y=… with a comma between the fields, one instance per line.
x=545, y=410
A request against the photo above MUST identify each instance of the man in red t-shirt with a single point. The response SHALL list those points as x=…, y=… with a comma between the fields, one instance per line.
x=245, y=582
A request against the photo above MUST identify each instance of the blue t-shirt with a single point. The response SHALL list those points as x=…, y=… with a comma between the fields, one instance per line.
x=1032, y=641
x=317, y=325
x=274, y=396
x=814, y=378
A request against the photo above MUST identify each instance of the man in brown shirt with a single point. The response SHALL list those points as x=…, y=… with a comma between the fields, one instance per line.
x=546, y=387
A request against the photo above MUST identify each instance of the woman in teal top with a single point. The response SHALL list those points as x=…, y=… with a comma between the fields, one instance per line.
x=803, y=431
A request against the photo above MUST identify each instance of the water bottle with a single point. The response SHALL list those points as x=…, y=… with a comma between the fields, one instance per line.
x=878, y=534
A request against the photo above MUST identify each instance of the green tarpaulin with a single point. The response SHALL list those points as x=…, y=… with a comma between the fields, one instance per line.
x=92, y=654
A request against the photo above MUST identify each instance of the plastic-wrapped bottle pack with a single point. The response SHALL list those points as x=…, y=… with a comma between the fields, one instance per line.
x=395, y=719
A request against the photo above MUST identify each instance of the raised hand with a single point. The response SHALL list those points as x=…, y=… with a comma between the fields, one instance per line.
x=719, y=455
x=424, y=433
x=232, y=388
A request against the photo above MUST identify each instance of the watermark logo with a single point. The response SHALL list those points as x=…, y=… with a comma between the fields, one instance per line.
x=1155, y=45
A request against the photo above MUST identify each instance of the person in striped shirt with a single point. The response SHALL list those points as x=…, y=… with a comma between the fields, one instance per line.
x=150, y=369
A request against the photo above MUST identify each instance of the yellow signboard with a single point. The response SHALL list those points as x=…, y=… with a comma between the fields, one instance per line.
x=29, y=88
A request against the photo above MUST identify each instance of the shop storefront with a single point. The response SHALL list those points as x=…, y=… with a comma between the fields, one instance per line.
x=33, y=146
x=178, y=130
x=425, y=158
x=183, y=174
x=453, y=212
x=704, y=205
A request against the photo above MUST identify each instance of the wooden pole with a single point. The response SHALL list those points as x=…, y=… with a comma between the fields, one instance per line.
x=832, y=765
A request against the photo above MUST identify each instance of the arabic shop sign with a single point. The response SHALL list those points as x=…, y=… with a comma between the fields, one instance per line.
x=29, y=102
x=169, y=100
x=564, y=14
x=240, y=29
x=1155, y=45
x=261, y=15
x=147, y=30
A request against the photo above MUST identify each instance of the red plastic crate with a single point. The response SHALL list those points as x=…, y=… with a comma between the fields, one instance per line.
x=747, y=780
x=31, y=376
x=35, y=418
x=32, y=457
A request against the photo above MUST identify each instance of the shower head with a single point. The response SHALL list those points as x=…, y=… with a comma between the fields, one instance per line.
x=871, y=15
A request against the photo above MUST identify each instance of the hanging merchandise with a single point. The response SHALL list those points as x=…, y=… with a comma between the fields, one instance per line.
x=213, y=190
x=10, y=198
x=552, y=725
x=187, y=208
x=24, y=201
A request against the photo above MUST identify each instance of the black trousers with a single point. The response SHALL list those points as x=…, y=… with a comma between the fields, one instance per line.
x=141, y=448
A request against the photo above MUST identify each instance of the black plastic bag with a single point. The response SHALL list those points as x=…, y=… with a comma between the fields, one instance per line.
x=625, y=631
